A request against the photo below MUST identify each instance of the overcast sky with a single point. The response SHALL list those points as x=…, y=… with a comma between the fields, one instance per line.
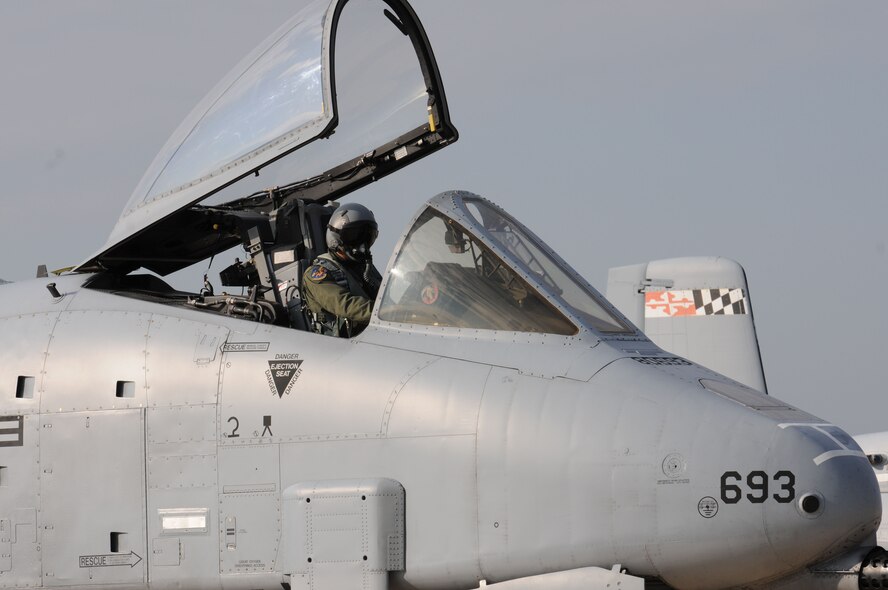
x=619, y=131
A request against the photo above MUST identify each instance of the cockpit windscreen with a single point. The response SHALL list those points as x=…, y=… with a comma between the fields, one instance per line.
x=512, y=237
x=444, y=277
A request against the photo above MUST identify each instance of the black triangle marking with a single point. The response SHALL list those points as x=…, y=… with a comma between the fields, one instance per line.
x=283, y=373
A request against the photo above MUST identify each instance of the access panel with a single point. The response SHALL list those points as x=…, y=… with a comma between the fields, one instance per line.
x=19, y=498
x=93, y=498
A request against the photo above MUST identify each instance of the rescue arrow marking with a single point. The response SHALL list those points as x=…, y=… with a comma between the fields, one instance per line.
x=112, y=560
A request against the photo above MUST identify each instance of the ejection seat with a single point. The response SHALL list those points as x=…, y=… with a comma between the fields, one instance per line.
x=279, y=258
x=305, y=233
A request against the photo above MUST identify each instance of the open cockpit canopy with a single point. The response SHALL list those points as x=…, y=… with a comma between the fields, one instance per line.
x=344, y=93
x=361, y=68
x=467, y=264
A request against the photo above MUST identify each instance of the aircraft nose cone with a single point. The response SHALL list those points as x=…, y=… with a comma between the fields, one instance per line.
x=827, y=502
x=783, y=497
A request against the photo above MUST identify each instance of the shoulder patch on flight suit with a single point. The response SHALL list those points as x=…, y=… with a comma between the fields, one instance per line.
x=318, y=273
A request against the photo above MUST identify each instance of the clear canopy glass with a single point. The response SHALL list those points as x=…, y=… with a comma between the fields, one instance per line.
x=380, y=95
x=279, y=92
x=443, y=276
x=512, y=237
x=346, y=92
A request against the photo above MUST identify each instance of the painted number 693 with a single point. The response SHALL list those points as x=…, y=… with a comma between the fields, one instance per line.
x=757, y=486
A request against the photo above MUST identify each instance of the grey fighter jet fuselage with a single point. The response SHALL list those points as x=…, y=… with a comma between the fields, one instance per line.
x=498, y=421
x=520, y=453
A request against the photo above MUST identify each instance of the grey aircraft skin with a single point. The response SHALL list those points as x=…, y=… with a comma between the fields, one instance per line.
x=520, y=454
x=498, y=422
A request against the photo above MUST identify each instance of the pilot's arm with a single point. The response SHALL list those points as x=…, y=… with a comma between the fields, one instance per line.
x=323, y=293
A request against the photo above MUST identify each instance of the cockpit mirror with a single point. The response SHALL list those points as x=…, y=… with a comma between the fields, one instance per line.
x=455, y=240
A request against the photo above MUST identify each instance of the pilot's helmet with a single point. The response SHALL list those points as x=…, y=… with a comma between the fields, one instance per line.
x=352, y=231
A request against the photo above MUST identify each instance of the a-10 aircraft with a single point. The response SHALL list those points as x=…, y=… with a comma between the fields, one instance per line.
x=498, y=423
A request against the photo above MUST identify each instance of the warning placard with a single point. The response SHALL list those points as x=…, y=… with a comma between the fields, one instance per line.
x=282, y=373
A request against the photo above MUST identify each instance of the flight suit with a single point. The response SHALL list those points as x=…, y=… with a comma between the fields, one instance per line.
x=338, y=295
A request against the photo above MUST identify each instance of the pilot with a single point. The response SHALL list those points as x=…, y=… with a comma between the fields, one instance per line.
x=341, y=285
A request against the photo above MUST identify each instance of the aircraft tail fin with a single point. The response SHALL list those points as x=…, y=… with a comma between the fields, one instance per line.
x=698, y=308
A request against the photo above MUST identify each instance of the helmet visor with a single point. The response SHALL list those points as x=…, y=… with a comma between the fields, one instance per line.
x=359, y=234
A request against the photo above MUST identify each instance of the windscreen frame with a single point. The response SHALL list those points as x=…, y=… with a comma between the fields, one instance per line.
x=451, y=205
x=624, y=327
x=547, y=315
